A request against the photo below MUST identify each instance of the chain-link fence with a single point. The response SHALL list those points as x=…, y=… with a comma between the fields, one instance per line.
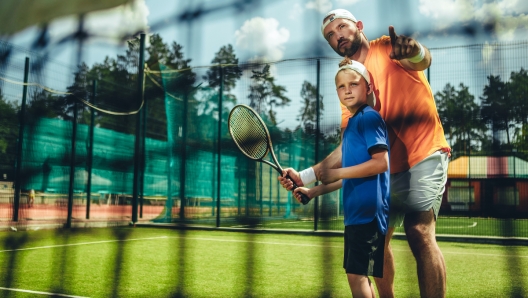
x=100, y=144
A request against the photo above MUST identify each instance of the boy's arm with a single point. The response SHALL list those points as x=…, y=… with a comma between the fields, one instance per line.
x=332, y=161
x=318, y=190
x=379, y=163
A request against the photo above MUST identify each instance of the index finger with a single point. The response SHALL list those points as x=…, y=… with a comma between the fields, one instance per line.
x=392, y=34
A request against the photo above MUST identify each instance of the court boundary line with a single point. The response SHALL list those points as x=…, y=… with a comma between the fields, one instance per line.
x=41, y=293
x=81, y=243
x=330, y=246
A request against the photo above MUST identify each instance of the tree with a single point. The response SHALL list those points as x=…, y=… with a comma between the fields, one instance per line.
x=227, y=59
x=264, y=94
x=497, y=109
x=308, y=111
x=8, y=135
x=176, y=83
x=460, y=116
x=44, y=104
x=518, y=93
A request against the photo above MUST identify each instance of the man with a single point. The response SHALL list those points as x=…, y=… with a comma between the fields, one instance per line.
x=418, y=148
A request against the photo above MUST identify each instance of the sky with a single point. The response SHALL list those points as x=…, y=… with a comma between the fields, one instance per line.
x=273, y=30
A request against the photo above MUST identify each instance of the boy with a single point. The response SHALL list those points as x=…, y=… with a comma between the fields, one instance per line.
x=364, y=177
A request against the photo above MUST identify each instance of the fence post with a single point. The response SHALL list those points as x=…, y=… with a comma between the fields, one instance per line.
x=219, y=146
x=137, y=149
x=317, y=133
x=90, y=152
x=72, y=165
x=16, y=198
x=143, y=152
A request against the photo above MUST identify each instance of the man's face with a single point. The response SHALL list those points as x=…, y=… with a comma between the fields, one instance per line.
x=343, y=36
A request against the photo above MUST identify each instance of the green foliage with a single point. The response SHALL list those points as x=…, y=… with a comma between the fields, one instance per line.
x=308, y=112
x=497, y=107
x=232, y=72
x=8, y=134
x=460, y=116
x=264, y=94
x=503, y=108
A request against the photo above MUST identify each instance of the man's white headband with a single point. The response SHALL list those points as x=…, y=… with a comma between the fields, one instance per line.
x=337, y=14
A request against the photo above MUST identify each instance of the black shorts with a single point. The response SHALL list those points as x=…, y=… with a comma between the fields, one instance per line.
x=364, y=250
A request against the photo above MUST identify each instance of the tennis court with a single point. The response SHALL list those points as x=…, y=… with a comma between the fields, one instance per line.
x=153, y=262
x=138, y=144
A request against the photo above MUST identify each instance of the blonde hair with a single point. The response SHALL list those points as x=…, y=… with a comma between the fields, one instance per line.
x=345, y=61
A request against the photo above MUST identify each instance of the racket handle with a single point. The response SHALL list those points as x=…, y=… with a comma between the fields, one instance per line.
x=304, y=198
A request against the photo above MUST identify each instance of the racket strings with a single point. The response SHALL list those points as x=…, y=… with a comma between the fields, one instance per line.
x=248, y=133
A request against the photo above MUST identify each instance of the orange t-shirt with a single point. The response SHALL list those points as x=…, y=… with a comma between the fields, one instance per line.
x=406, y=103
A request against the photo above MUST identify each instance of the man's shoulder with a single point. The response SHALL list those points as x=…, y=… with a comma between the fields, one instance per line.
x=384, y=40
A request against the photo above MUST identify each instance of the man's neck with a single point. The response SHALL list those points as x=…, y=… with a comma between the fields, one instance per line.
x=361, y=55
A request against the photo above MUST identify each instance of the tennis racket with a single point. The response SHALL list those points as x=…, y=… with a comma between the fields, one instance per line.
x=252, y=138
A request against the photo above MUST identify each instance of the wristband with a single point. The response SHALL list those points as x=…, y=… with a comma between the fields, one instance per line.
x=418, y=58
x=307, y=176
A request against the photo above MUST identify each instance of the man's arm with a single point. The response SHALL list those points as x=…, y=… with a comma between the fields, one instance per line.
x=411, y=54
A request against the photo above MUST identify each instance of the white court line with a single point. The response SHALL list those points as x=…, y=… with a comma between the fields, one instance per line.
x=275, y=223
x=340, y=246
x=41, y=293
x=244, y=241
x=82, y=243
x=463, y=227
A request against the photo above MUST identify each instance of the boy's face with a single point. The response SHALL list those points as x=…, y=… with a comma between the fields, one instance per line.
x=351, y=89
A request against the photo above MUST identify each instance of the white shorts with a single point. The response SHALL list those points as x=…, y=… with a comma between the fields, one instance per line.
x=418, y=189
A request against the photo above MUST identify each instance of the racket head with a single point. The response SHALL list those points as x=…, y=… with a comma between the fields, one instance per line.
x=249, y=132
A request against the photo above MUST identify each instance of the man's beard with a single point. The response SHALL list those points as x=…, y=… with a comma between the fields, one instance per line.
x=354, y=46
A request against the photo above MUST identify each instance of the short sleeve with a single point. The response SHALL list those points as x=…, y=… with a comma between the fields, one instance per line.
x=375, y=131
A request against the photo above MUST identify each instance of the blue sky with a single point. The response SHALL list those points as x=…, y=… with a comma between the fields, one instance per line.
x=283, y=29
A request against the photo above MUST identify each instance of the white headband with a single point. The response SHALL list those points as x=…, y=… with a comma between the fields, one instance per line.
x=358, y=67
x=337, y=14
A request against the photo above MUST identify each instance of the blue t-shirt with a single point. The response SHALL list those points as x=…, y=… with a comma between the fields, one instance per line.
x=365, y=198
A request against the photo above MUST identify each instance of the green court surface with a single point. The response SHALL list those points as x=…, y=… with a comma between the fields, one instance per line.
x=157, y=262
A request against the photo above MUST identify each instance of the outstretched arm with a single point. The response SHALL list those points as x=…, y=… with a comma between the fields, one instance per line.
x=411, y=54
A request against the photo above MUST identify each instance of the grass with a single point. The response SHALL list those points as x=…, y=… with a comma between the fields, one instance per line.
x=153, y=262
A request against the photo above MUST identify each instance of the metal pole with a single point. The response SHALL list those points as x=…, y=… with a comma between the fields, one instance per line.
x=16, y=199
x=72, y=165
x=90, y=152
x=143, y=156
x=80, y=30
x=137, y=149
x=183, y=156
x=219, y=146
x=317, y=133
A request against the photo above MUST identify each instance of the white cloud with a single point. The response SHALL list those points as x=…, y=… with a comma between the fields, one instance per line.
x=447, y=11
x=262, y=38
x=119, y=21
x=508, y=16
x=296, y=11
x=347, y=2
x=322, y=6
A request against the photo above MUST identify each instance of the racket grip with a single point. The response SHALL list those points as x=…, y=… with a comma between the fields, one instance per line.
x=304, y=198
